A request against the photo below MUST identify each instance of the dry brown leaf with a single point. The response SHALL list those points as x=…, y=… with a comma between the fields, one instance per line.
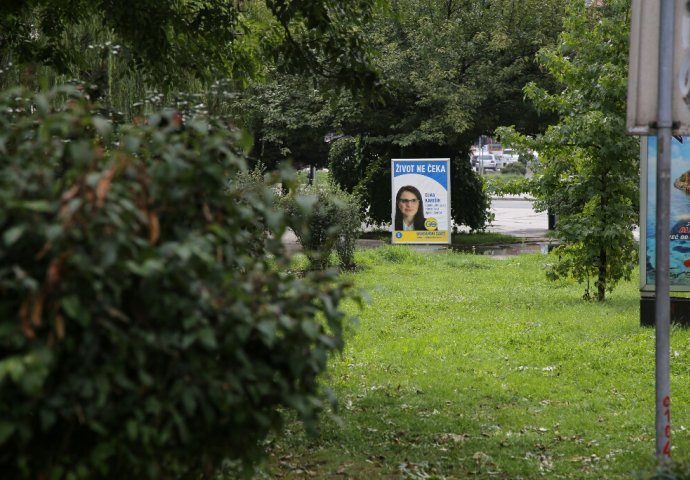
x=24, y=318
x=53, y=273
x=154, y=228
x=60, y=326
x=45, y=249
x=103, y=186
x=207, y=212
x=70, y=194
x=37, y=310
x=65, y=212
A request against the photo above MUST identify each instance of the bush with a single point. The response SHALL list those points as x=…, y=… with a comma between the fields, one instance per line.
x=324, y=219
x=515, y=168
x=669, y=471
x=344, y=162
x=142, y=332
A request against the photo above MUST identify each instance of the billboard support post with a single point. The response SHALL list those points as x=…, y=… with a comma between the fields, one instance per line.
x=663, y=202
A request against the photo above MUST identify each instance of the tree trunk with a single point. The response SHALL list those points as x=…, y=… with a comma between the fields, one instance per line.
x=601, y=282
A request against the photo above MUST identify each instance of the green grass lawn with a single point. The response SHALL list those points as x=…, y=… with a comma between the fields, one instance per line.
x=467, y=366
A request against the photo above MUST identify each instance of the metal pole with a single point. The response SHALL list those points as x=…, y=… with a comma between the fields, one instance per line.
x=663, y=206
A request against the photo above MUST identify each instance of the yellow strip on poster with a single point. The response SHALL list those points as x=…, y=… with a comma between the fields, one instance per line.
x=418, y=236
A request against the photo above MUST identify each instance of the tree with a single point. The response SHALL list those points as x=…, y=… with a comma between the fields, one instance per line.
x=589, y=168
x=207, y=38
x=289, y=118
x=452, y=70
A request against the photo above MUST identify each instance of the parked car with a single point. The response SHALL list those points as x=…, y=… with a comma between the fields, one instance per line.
x=509, y=156
x=487, y=161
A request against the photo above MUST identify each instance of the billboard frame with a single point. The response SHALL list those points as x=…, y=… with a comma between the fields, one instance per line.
x=423, y=172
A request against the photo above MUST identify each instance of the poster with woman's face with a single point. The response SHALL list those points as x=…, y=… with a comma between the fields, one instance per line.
x=421, y=200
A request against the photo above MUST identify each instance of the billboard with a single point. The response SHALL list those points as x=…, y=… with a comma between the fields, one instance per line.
x=421, y=200
x=643, y=68
x=679, y=235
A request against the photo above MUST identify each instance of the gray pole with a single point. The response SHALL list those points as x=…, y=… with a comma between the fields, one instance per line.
x=663, y=205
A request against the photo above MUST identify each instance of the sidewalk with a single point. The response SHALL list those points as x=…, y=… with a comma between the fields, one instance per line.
x=514, y=216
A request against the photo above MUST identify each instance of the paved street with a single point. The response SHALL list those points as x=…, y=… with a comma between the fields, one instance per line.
x=514, y=215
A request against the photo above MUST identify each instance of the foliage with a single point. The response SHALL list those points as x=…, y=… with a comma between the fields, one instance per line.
x=147, y=330
x=588, y=175
x=452, y=70
x=350, y=222
x=345, y=162
x=507, y=185
x=472, y=206
x=324, y=218
x=515, y=168
x=676, y=470
x=289, y=120
x=212, y=39
x=449, y=71
x=482, y=238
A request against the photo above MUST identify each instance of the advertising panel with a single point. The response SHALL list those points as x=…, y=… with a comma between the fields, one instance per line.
x=643, y=68
x=679, y=236
x=421, y=200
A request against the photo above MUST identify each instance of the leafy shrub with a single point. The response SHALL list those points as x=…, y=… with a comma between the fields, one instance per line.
x=350, y=222
x=344, y=162
x=324, y=219
x=143, y=334
x=247, y=185
x=670, y=471
x=515, y=168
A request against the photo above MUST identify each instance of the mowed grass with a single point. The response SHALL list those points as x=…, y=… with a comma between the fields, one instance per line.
x=466, y=366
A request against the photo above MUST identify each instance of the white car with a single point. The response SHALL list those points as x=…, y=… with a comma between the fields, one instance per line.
x=509, y=156
x=487, y=161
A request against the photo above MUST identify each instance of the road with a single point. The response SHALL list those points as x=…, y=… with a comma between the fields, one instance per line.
x=515, y=215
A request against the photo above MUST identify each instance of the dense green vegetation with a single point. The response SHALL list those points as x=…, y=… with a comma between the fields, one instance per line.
x=588, y=170
x=152, y=324
x=149, y=323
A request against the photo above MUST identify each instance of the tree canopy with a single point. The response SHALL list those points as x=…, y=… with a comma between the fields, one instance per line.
x=589, y=168
x=452, y=70
x=209, y=38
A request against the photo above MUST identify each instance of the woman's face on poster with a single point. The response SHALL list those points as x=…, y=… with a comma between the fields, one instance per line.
x=408, y=204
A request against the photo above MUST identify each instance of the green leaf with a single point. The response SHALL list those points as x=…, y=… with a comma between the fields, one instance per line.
x=131, y=143
x=71, y=305
x=6, y=430
x=150, y=267
x=188, y=400
x=268, y=331
x=103, y=126
x=310, y=328
x=33, y=205
x=207, y=338
x=13, y=234
x=42, y=104
x=132, y=428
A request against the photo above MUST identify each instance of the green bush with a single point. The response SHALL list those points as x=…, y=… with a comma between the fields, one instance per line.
x=325, y=219
x=515, y=168
x=676, y=470
x=143, y=334
x=344, y=162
